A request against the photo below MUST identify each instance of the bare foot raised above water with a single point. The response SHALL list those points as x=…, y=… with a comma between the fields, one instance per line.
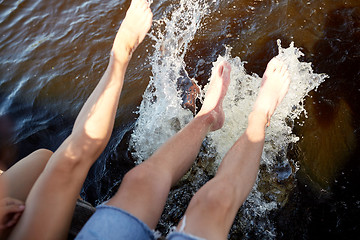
x=214, y=97
x=274, y=87
x=133, y=29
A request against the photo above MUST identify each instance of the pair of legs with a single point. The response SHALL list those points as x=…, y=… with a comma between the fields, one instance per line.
x=212, y=210
x=51, y=197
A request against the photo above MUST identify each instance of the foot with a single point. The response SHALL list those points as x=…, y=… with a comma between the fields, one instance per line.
x=214, y=97
x=133, y=29
x=274, y=87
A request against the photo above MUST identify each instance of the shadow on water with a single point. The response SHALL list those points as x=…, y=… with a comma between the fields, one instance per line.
x=326, y=202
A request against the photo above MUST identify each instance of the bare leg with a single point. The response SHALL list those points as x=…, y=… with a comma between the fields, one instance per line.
x=19, y=180
x=51, y=201
x=145, y=188
x=24, y=173
x=212, y=210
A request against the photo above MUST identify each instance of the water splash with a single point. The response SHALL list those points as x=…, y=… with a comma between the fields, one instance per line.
x=241, y=96
x=161, y=115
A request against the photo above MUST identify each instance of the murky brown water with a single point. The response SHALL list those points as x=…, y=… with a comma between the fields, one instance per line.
x=52, y=54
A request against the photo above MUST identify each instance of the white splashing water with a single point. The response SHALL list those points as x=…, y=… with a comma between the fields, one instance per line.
x=161, y=114
x=241, y=96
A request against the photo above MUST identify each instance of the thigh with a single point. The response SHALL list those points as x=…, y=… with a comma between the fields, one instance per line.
x=22, y=176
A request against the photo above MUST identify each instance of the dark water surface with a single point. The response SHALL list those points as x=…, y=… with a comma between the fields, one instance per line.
x=52, y=53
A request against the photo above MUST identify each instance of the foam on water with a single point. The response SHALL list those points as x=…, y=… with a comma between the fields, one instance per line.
x=161, y=114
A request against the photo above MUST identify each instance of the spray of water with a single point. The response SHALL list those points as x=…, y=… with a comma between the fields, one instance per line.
x=241, y=96
x=161, y=114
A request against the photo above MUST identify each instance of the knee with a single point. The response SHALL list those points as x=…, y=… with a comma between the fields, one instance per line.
x=137, y=175
x=43, y=153
x=42, y=156
x=219, y=195
x=147, y=177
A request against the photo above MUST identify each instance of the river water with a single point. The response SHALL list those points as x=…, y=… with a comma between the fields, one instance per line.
x=52, y=53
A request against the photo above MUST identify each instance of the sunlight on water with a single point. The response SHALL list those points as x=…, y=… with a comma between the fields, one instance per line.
x=161, y=114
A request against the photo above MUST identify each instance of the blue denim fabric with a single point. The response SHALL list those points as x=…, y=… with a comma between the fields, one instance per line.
x=111, y=223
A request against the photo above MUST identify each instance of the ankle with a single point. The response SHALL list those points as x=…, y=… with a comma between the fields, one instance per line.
x=122, y=49
x=207, y=118
x=212, y=119
x=121, y=54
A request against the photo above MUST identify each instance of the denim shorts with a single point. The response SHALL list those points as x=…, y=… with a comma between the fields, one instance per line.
x=111, y=223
